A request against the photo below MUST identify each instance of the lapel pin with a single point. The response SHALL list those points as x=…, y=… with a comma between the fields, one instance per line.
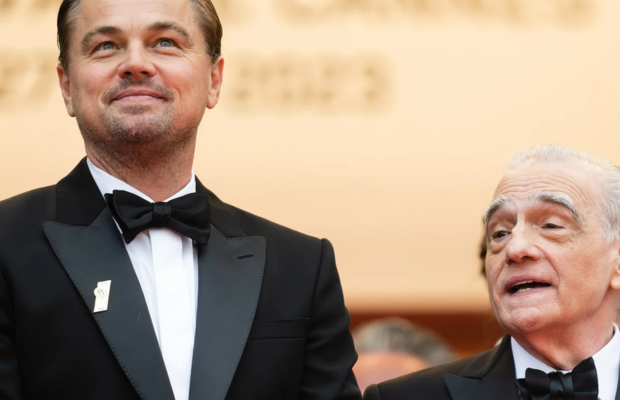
x=102, y=295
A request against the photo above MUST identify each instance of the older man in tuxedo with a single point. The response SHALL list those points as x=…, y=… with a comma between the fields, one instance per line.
x=553, y=270
x=129, y=279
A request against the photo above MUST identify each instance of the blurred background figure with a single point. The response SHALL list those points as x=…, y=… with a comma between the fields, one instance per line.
x=391, y=347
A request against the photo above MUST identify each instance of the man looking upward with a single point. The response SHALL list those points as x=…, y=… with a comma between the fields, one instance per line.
x=129, y=279
x=553, y=271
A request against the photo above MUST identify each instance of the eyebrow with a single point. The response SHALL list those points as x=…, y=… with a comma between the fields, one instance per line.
x=495, y=206
x=102, y=30
x=171, y=26
x=154, y=27
x=559, y=199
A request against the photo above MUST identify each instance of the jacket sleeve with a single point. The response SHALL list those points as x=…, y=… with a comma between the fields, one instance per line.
x=330, y=354
x=10, y=385
x=372, y=393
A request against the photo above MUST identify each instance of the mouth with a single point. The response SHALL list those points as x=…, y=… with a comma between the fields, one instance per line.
x=137, y=95
x=526, y=286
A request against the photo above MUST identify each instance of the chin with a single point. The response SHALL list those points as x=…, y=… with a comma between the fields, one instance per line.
x=139, y=128
x=523, y=321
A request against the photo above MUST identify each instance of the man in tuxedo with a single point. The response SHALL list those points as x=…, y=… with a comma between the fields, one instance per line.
x=553, y=272
x=129, y=279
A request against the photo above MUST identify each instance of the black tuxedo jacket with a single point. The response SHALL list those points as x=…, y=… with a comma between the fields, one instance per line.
x=271, y=322
x=486, y=376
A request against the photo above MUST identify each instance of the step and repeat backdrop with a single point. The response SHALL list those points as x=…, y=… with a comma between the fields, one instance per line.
x=382, y=125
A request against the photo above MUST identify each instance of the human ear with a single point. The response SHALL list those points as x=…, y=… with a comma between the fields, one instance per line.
x=217, y=75
x=65, y=88
x=615, y=273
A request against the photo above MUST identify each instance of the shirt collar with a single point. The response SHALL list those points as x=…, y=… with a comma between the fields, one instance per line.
x=607, y=362
x=108, y=184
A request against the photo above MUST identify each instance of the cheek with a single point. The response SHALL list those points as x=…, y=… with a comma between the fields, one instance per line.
x=575, y=288
x=493, y=267
x=189, y=79
x=91, y=82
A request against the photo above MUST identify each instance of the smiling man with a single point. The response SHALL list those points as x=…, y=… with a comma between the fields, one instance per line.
x=129, y=279
x=553, y=271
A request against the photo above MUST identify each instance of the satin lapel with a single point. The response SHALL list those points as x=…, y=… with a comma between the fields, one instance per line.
x=78, y=199
x=229, y=283
x=499, y=382
x=96, y=253
x=222, y=215
x=490, y=376
x=461, y=388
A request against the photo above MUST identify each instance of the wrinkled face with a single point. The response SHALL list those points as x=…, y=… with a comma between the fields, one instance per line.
x=139, y=71
x=548, y=263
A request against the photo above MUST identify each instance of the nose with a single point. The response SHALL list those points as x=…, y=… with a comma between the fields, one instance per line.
x=137, y=63
x=521, y=246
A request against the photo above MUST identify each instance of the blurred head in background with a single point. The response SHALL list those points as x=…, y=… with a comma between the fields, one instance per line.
x=392, y=347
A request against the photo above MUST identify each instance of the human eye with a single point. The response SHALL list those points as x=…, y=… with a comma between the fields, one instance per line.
x=500, y=234
x=166, y=43
x=498, y=230
x=551, y=225
x=106, y=46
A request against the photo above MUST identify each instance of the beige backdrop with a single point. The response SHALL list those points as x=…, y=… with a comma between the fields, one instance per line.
x=382, y=125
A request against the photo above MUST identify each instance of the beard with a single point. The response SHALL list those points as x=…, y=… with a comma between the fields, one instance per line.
x=137, y=133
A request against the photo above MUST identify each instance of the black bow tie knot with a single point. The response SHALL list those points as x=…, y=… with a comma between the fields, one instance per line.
x=188, y=215
x=580, y=384
x=162, y=212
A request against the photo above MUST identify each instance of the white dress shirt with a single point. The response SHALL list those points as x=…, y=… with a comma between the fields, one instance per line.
x=607, y=362
x=166, y=264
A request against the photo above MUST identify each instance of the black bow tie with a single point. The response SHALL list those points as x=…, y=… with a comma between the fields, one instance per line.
x=188, y=215
x=580, y=384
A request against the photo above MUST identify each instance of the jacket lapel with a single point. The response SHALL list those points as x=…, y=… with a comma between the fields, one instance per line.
x=490, y=376
x=461, y=388
x=86, y=240
x=95, y=253
x=230, y=274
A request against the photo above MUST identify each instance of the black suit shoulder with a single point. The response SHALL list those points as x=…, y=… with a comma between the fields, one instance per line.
x=254, y=225
x=428, y=384
x=35, y=204
x=22, y=216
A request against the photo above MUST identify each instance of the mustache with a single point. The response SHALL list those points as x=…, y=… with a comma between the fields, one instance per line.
x=144, y=83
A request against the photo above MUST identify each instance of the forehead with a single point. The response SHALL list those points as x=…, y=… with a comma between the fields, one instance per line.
x=575, y=180
x=131, y=14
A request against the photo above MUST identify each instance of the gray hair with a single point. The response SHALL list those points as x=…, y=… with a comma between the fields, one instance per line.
x=401, y=336
x=610, y=176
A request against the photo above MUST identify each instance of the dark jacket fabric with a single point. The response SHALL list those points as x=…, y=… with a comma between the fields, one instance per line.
x=485, y=376
x=271, y=322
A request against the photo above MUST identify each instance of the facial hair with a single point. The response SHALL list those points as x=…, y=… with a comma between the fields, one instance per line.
x=135, y=134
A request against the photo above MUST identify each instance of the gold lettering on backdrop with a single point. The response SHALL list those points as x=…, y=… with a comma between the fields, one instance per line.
x=26, y=79
x=46, y=5
x=7, y=5
x=285, y=83
x=231, y=11
x=560, y=12
x=290, y=83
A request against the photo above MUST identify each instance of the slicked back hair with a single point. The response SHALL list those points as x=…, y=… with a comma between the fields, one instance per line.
x=609, y=204
x=205, y=11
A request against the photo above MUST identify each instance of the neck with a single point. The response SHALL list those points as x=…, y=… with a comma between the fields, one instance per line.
x=564, y=347
x=158, y=173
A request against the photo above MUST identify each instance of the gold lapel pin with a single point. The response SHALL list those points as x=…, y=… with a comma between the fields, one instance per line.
x=102, y=296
